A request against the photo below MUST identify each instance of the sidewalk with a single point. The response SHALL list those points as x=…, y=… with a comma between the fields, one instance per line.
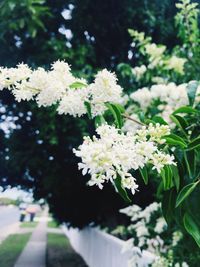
x=34, y=254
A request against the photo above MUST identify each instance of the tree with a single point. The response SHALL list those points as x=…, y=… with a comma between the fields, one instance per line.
x=30, y=33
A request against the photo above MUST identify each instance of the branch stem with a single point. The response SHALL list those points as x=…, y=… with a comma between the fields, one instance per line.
x=136, y=121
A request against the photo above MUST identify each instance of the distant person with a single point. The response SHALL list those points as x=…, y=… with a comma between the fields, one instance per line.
x=22, y=208
x=22, y=215
x=32, y=209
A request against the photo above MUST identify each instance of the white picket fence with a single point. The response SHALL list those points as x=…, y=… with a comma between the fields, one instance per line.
x=100, y=249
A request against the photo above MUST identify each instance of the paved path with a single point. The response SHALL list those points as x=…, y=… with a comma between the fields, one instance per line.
x=34, y=254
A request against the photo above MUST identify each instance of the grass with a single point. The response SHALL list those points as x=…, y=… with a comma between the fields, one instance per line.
x=11, y=248
x=60, y=253
x=28, y=224
x=53, y=224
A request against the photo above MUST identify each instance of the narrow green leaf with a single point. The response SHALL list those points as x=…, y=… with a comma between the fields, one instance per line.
x=120, y=189
x=144, y=174
x=176, y=176
x=192, y=228
x=194, y=144
x=168, y=205
x=185, y=192
x=180, y=122
x=76, y=85
x=160, y=120
x=99, y=120
x=174, y=140
x=185, y=109
x=191, y=91
x=167, y=176
x=120, y=107
x=88, y=108
x=116, y=112
x=191, y=157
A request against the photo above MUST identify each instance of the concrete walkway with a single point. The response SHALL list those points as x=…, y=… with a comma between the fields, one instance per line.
x=34, y=254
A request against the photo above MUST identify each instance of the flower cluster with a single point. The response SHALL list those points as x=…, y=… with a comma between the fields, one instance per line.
x=148, y=230
x=104, y=89
x=168, y=96
x=138, y=72
x=59, y=86
x=113, y=153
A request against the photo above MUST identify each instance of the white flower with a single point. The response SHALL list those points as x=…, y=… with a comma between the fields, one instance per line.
x=155, y=53
x=115, y=153
x=159, y=160
x=139, y=71
x=161, y=261
x=160, y=225
x=73, y=102
x=183, y=264
x=170, y=95
x=8, y=77
x=104, y=89
x=141, y=229
x=148, y=211
x=129, y=182
x=61, y=66
x=176, y=63
x=131, y=210
x=143, y=97
x=176, y=237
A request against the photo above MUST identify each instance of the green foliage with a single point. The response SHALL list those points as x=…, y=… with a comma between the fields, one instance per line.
x=120, y=189
x=11, y=248
x=158, y=64
x=116, y=111
x=185, y=192
x=192, y=228
x=32, y=12
x=144, y=174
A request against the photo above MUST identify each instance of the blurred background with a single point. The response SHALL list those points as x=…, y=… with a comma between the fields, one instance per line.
x=37, y=156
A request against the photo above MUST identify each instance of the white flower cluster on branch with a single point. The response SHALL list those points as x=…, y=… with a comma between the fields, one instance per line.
x=109, y=156
x=112, y=153
x=171, y=97
x=59, y=86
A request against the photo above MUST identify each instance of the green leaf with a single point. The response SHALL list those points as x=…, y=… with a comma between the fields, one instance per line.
x=160, y=120
x=76, y=85
x=116, y=112
x=176, y=176
x=120, y=189
x=194, y=144
x=120, y=107
x=167, y=176
x=180, y=122
x=191, y=91
x=185, y=192
x=173, y=139
x=189, y=164
x=191, y=157
x=99, y=120
x=192, y=228
x=168, y=205
x=185, y=109
x=144, y=174
x=88, y=108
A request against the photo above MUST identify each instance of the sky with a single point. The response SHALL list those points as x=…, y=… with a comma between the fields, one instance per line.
x=15, y=193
